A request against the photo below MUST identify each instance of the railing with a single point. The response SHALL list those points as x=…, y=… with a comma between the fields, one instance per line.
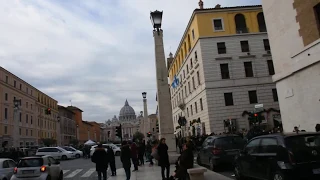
x=242, y=30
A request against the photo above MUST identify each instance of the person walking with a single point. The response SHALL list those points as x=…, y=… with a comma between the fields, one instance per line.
x=100, y=158
x=112, y=161
x=134, y=155
x=141, y=152
x=125, y=157
x=163, y=158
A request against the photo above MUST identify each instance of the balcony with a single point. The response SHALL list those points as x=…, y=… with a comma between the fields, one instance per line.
x=181, y=104
x=242, y=30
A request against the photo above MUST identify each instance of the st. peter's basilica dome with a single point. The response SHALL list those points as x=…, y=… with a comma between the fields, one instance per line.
x=127, y=113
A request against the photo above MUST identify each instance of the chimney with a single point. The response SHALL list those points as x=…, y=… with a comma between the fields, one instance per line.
x=218, y=6
x=169, y=60
x=200, y=4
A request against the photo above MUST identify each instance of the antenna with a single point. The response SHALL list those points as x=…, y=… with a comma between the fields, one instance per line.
x=71, y=102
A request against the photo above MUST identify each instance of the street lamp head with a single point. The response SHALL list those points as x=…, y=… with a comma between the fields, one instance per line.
x=156, y=19
x=144, y=95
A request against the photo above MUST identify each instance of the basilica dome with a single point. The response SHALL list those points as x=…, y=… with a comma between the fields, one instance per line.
x=127, y=112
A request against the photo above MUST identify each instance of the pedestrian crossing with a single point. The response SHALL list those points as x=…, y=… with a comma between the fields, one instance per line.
x=80, y=173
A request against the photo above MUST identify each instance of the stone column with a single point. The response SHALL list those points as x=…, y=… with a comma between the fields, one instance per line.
x=164, y=103
x=145, y=117
x=16, y=134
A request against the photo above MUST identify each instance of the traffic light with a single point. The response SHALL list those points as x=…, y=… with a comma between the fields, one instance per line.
x=149, y=134
x=119, y=131
x=48, y=111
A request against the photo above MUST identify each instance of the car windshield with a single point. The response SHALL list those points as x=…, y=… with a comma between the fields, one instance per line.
x=32, y=162
x=68, y=149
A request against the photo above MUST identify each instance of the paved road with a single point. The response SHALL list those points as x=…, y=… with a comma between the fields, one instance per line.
x=82, y=169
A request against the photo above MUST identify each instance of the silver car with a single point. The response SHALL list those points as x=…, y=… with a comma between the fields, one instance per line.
x=38, y=168
x=6, y=168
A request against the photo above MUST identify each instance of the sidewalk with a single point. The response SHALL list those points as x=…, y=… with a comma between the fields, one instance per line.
x=154, y=173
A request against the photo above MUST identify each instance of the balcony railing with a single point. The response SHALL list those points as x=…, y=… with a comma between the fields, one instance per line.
x=242, y=30
x=181, y=104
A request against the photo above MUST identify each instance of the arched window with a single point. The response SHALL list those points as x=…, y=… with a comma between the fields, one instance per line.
x=261, y=22
x=241, y=25
x=189, y=43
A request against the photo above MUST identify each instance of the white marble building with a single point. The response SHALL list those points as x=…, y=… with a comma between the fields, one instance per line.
x=129, y=121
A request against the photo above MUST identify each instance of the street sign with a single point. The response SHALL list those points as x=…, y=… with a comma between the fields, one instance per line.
x=258, y=106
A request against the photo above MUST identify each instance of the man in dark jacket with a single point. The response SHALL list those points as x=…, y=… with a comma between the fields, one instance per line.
x=134, y=155
x=112, y=161
x=185, y=162
x=125, y=157
x=100, y=157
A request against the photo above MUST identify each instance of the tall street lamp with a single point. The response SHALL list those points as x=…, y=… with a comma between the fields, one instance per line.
x=164, y=103
x=146, y=126
x=16, y=119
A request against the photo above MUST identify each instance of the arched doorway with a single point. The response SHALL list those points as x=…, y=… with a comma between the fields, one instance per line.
x=261, y=22
x=241, y=25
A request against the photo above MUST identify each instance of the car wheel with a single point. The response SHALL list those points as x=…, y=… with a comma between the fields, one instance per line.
x=117, y=153
x=213, y=167
x=77, y=155
x=278, y=176
x=64, y=157
x=60, y=176
x=198, y=160
x=237, y=172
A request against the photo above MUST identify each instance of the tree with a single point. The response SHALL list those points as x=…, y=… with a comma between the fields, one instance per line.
x=138, y=136
x=48, y=141
x=74, y=142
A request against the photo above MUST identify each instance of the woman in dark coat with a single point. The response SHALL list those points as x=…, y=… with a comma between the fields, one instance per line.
x=100, y=157
x=164, y=158
x=125, y=157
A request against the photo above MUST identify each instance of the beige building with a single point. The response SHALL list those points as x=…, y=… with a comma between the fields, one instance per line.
x=67, y=125
x=294, y=33
x=33, y=123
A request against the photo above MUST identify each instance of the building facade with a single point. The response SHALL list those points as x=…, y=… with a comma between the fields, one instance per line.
x=129, y=121
x=222, y=69
x=67, y=125
x=294, y=33
x=34, y=125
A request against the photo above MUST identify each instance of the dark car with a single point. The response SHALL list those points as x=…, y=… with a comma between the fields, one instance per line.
x=219, y=150
x=285, y=156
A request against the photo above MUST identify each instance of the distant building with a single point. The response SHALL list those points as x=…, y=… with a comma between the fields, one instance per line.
x=128, y=120
x=294, y=33
x=67, y=125
x=221, y=69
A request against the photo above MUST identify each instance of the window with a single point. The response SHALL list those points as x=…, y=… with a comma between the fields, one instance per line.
x=269, y=145
x=184, y=74
x=20, y=117
x=253, y=97
x=198, y=77
x=228, y=99
x=241, y=25
x=218, y=25
x=189, y=87
x=191, y=110
x=27, y=132
x=20, y=86
x=5, y=113
x=31, y=133
x=317, y=13
x=5, y=130
x=27, y=90
x=27, y=104
x=185, y=91
x=253, y=146
x=261, y=22
x=192, y=34
x=244, y=46
x=31, y=106
x=187, y=112
x=195, y=56
x=27, y=118
x=6, y=96
x=222, y=48
x=193, y=83
x=270, y=67
x=14, y=83
x=31, y=92
x=196, y=107
x=224, y=71
x=20, y=131
x=266, y=44
x=248, y=69
x=31, y=120
x=182, y=93
x=7, y=79
x=201, y=105
x=187, y=68
x=191, y=65
x=275, y=95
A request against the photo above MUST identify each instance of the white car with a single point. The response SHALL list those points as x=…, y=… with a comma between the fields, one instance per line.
x=77, y=153
x=6, y=168
x=115, y=149
x=55, y=152
x=37, y=168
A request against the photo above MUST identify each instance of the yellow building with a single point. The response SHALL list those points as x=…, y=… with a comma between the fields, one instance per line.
x=221, y=68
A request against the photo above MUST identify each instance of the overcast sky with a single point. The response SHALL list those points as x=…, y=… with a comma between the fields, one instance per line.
x=97, y=53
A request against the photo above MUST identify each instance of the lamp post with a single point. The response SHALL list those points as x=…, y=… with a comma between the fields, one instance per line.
x=145, y=115
x=164, y=103
x=77, y=129
x=58, y=131
x=16, y=119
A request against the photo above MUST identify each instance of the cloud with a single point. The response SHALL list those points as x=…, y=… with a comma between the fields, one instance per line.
x=97, y=53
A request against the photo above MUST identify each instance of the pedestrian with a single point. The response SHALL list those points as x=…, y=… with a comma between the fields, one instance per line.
x=185, y=162
x=163, y=158
x=141, y=152
x=100, y=158
x=134, y=155
x=112, y=161
x=125, y=157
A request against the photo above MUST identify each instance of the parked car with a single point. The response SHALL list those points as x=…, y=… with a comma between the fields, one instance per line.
x=38, y=168
x=115, y=149
x=6, y=168
x=77, y=152
x=287, y=156
x=219, y=150
x=56, y=152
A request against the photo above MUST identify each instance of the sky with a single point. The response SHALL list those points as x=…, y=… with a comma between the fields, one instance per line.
x=93, y=54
